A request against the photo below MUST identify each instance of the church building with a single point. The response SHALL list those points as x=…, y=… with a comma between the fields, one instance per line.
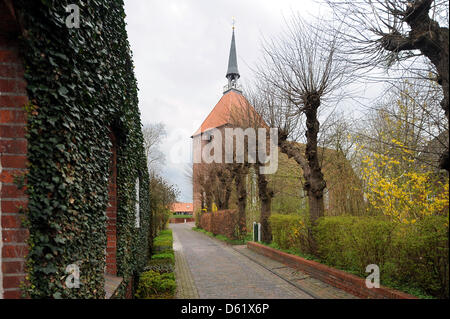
x=232, y=105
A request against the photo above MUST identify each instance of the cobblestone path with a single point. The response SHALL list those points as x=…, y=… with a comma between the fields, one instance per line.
x=207, y=268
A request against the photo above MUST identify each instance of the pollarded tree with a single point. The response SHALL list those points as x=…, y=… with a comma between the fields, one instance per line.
x=300, y=72
x=382, y=33
x=250, y=116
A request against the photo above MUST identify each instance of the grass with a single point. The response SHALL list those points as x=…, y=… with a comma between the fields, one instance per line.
x=224, y=238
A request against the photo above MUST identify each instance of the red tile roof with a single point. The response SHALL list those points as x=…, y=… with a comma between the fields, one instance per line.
x=231, y=107
x=182, y=207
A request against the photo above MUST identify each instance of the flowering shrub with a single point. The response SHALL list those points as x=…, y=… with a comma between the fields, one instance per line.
x=403, y=192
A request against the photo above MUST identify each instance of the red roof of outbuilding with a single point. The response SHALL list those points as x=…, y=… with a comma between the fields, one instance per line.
x=182, y=207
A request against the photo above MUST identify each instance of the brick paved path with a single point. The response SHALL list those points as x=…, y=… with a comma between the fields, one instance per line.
x=218, y=271
x=208, y=268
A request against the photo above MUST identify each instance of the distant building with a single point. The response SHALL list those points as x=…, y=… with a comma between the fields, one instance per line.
x=342, y=195
x=182, y=208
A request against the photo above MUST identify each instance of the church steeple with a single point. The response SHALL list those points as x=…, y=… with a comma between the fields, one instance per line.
x=232, y=72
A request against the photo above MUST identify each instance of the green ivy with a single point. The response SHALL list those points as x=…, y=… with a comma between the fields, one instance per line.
x=81, y=84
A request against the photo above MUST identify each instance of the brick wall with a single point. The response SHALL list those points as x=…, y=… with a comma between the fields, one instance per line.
x=13, y=149
x=111, y=214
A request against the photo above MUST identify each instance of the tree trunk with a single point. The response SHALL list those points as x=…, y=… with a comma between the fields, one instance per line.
x=314, y=181
x=227, y=197
x=209, y=201
x=241, y=191
x=265, y=196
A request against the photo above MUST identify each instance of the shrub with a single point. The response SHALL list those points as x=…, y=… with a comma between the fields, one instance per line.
x=161, y=266
x=153, y=285
x=413, y=257
x=163, y=235
x=421, y=256
x=354, y=242
x=182, y=216
x=165, y=254
x=163, y=241
x=198, y=217
x=410, y=256
x=222, y=222
x=289, y=231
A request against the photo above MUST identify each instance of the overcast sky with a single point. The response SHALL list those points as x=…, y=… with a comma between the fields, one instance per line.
x=180, y=50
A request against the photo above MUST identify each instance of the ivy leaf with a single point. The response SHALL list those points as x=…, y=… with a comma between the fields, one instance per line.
x=49, y=269
x=63, y=91
x=57, y=295
x=60, y=240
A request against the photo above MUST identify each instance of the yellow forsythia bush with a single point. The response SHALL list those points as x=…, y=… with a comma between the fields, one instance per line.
x=402, y=193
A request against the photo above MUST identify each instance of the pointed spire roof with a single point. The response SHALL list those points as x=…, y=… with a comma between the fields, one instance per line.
x=233, y=71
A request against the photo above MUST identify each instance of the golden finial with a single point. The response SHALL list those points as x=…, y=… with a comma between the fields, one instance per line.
x=233, y=22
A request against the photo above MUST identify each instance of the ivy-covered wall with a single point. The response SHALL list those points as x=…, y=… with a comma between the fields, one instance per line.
x=81, y=85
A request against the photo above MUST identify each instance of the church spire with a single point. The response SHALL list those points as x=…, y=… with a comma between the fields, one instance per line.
x=232, y=72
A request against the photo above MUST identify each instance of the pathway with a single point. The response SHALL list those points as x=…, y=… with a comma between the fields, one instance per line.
x=208, y=268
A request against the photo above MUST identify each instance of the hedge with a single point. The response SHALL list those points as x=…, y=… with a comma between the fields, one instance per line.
x=410, y=256
x=154, y=285
x=158, y=280
x=181, y=216
x=81, y=85
x=163, y=241
x=355, y=242
x=222, y=222
x=287, y=230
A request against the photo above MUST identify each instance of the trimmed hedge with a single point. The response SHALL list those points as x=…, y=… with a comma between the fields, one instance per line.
x=81, y=85
x=160, y=265
x=181, y=216
x=165, y=255
x=411, y=257
x=163, y=241
x=154, y=285
x=288, y=230
x=355, y=242
x=222, y=222
x=420, y=255
x=158, y=280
